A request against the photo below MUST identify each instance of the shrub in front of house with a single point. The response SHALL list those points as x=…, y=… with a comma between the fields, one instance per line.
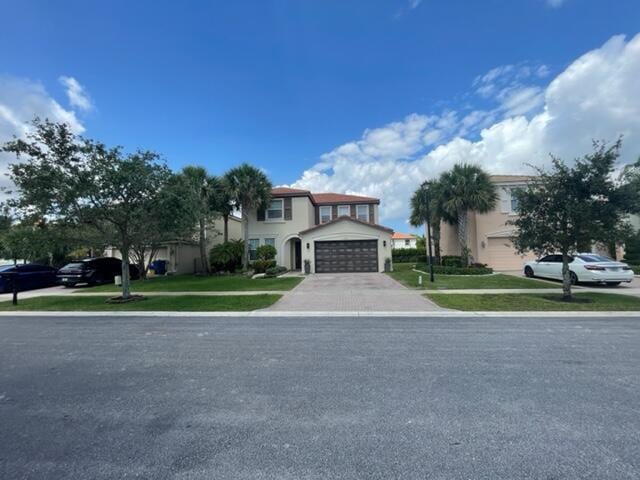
x=408, y=255
x=275, y=271
x=266, y=252
x=451, y=261
x=226, y=257
x=261, y=265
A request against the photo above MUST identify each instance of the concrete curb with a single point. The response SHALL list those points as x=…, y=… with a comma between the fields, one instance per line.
x=269, y=314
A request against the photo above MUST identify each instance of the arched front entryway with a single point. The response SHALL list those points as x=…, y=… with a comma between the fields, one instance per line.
x=292, y=253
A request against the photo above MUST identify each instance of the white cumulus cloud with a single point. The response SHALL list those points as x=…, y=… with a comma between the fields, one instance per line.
x=76, y=93
x=20, y=101
x=595, y=97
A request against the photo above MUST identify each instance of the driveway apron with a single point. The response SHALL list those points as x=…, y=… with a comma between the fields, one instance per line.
x=353, y=292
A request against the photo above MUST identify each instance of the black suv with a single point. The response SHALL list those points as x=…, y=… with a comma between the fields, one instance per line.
x=94, y=271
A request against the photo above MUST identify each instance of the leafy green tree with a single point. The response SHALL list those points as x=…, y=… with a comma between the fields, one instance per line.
x=571, y=206
x=227, y=256
x=250, y=190
x=463, y=189
x=83, y=182
x=168, y=217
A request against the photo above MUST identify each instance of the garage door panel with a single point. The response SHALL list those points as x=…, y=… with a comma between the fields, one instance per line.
x=502, y=255
x=343, y=256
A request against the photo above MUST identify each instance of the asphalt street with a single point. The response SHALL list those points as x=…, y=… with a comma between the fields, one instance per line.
x=319, y=398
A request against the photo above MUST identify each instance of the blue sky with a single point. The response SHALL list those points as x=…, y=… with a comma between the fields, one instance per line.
x=285, y=84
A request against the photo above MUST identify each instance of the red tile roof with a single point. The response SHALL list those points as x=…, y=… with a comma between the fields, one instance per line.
x=336, y=198
x=323, y=198
x=288, y=191
x=348, y=219
x=403, y=236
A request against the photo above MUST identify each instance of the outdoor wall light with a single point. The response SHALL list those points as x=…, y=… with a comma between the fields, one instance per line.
x=308, y=246
x=384, y=243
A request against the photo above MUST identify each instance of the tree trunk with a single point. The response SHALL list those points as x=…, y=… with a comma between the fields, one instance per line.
x=462, y=237
x=203, y=247
x=566, y=277
x=226, y=228
x=245, y=234
x=435, y=232
x=126, y=288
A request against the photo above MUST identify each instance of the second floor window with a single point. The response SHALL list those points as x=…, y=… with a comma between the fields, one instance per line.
x=514, y=200
x=407, y=242
x=325, y=214
x=362, y=212
x=344, y=210
x=275, y=209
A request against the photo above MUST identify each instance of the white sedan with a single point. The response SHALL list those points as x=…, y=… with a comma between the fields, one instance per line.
x=583, y=267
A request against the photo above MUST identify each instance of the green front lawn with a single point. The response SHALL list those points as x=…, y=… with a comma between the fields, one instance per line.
x=404, y=274
x=590, y=301
x=186, y=303
x=192, y=283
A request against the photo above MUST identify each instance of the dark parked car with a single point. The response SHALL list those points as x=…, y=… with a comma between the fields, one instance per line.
x=29, y=276
x=94, y=271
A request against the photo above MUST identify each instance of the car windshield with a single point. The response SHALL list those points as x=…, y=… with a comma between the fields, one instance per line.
x=595, y=258
x=7, y=268
x=71, y=266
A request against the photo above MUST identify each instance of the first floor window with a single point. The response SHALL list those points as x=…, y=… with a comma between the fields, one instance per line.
x=407, y=243
x=270, y=241
x=362, y=212
x=275, y=209
x=253, y=247
x=344, y=210
x=325, y=214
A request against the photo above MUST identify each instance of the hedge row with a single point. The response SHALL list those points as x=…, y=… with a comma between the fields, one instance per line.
x=446, y=270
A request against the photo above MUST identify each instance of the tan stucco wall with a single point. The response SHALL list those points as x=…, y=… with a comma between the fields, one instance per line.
x=215, y=231
x=302, y=217
x=346, y=230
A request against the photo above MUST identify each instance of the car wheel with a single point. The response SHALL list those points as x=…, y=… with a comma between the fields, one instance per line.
x=528, y=271
x=574, y=278
x=612, y=284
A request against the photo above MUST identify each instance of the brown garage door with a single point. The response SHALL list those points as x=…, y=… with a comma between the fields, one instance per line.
x=347, y=256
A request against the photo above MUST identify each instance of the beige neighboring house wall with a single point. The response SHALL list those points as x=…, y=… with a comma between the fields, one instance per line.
x=489, y=235
x=183, y=257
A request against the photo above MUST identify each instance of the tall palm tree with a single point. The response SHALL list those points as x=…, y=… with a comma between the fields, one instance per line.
x=429, y=191
x=198, y=185
x=222, y=202
x=466, y=188
x=250, y=190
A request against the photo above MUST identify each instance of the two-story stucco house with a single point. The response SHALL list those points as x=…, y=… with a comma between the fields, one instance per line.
x=332, y=232
x=404, y=240
x=489, y=235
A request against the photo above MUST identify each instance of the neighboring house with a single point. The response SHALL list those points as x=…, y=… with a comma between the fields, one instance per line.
x=489, y=236
x=183, y=256
x=404, y=240
x=333, y=232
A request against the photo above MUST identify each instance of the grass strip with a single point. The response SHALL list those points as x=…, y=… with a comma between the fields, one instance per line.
x=193, y=283
x=510, y=302
x=405, y=275
x=186, y=303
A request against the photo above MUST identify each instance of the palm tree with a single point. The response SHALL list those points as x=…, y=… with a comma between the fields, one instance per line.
x=198, y=184
x=429, y=191
x=250, y=190
x=466, y=188
x=222, y=202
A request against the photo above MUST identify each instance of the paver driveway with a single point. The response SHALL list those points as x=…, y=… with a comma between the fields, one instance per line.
x=353, y=292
